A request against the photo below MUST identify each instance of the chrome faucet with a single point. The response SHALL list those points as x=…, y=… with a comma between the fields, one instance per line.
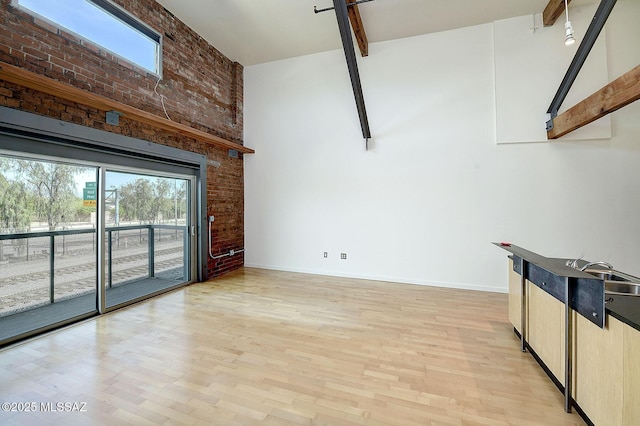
x=599, y=262
x=574, y=263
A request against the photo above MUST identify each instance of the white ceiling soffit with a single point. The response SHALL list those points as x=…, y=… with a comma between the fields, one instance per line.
x=257, y=31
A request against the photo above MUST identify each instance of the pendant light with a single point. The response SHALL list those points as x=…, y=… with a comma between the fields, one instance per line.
x=568, y=29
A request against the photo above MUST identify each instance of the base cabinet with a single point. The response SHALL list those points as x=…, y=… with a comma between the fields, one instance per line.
x=598, y=370
x=606, y=362
x=631, y=369
x=515, y=302
x=545, y=328
x=544, y=322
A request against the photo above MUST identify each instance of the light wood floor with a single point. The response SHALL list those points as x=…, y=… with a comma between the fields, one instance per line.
x=265, y=347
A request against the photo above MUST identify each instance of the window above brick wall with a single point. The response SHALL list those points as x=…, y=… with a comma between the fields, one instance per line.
x=105, y=25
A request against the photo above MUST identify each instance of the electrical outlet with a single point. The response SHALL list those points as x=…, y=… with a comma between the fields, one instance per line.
x=326, y=254
x=343, y=255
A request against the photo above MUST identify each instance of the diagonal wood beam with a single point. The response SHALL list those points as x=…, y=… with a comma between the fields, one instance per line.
x=620, y=92
x=551, y=13
x=358, y=28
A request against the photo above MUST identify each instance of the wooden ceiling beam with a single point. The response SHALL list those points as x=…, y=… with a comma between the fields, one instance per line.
x=34, y=81
x=551, y=13
x=358, y=28
x=620, y=92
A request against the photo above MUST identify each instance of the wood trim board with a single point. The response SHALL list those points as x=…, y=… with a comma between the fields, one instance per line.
x=22, y=77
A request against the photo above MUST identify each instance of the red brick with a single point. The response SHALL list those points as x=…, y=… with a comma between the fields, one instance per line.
x=203, y=89
x=12, y=103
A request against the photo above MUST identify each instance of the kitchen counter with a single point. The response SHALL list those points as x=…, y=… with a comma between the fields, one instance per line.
x=554, y=265
x=589, y=343
x=554, y=277
x=624, y=308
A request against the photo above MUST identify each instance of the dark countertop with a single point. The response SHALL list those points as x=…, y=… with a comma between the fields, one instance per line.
x=554, y=265
x=623, y=308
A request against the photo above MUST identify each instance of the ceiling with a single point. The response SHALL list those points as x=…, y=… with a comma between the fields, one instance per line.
x=257, y=31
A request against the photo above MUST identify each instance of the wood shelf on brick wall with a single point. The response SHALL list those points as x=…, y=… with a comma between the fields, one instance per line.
x=22, y=77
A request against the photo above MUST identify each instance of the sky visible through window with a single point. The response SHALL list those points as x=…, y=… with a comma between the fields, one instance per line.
x=95, y=24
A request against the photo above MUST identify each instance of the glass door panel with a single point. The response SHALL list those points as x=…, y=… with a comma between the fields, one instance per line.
x=48, y=255
x=146, y=234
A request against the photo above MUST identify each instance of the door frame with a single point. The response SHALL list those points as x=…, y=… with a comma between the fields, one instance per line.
x=66, y=140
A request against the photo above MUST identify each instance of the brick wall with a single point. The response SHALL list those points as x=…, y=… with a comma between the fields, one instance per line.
x=203, y=90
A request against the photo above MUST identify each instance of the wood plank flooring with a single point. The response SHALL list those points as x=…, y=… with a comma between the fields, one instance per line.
x=276, y=348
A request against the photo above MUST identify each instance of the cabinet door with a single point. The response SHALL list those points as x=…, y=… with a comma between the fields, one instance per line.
x=515, y=302
x=545, y=328
x=545, y=322
x=631, y=362
x=598, y=369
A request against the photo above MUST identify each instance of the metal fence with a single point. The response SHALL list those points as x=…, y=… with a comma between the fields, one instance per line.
x=28, y=246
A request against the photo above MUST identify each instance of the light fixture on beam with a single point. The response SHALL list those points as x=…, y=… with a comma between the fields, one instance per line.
x=589, y=39
x=568, y=29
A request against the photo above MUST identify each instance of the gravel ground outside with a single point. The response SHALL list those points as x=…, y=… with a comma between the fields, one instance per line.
x=25, y=284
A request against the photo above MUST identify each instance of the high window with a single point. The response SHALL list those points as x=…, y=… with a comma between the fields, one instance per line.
x=104, y=24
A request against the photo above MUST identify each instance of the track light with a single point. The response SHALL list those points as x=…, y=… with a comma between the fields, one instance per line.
x=568, y=29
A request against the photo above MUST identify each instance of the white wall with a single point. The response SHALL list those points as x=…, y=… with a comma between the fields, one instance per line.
x=434, y=189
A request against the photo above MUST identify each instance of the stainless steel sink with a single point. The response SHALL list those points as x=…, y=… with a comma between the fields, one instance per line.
x=610, y=275
x=622, y=288
x=616, y=282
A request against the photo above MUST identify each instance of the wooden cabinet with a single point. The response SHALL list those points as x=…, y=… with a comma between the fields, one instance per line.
x=544, y=320
x=598, y=370
x=545, y=329
x=606, y=362
x=631, y=376
x=607, y=372
x=515, y=302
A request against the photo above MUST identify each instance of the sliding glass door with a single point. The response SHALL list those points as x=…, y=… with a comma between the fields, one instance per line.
x=77, y=238
x=147, y=220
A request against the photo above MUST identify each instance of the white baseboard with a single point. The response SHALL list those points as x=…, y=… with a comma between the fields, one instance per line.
x=402, y=280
